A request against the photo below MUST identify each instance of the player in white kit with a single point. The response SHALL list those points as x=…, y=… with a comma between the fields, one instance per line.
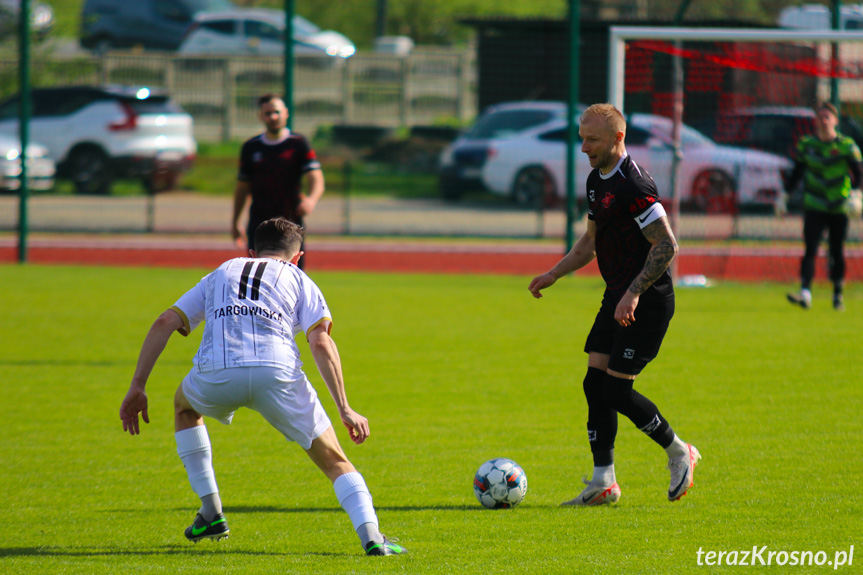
x=252, y=309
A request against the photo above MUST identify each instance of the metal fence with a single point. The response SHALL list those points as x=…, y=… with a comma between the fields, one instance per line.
x=426, y=87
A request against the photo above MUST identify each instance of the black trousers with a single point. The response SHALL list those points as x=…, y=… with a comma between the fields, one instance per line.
x=814, y=224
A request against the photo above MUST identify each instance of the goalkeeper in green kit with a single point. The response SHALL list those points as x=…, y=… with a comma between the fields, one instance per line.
x=829, y=164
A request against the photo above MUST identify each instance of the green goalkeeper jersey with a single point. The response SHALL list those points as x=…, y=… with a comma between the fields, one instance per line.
x=827, y=181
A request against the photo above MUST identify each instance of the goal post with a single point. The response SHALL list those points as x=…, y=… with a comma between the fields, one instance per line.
x=751, y=91
x=619, y=35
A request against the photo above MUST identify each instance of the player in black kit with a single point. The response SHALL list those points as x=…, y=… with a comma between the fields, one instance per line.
x=272, y=166
x=629, y=235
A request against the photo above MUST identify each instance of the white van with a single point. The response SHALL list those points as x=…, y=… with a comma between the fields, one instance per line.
x=820, y=17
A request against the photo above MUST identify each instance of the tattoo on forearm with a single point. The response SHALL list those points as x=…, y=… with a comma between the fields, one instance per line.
x=658, y=259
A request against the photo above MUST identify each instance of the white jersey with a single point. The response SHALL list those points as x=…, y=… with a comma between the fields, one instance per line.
x=253, y=309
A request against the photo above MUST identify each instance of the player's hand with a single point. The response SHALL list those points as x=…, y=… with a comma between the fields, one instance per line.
x=134, y=403
x=239, y=237
x=624, y=313
x=541, y=282
x=358, y=426
x=306, y=206
x=780, y=205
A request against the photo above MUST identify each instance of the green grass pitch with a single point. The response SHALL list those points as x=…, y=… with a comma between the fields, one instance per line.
x=451, y=371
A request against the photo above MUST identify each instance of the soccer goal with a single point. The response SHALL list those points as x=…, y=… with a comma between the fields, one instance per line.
x=732, y=103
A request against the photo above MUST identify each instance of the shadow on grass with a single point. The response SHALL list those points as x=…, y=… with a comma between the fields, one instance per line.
x=158, y=551
x=77, y=363
x=273, y=509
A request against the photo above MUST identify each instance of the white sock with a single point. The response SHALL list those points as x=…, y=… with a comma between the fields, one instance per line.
x=193, y=447
x=355, y=499
x=678, y=449
x=604, y=475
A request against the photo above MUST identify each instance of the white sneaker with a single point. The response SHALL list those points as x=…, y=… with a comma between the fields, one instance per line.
x=595, y=494
x=682, y=473
x=802, y=298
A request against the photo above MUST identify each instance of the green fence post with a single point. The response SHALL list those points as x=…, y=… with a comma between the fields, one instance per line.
x=24, y=124
x=289, y=60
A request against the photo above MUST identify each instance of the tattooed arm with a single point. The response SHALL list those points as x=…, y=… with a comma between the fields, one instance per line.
x=662, y=251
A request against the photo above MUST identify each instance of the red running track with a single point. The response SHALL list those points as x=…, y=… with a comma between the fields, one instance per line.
x=745, y=264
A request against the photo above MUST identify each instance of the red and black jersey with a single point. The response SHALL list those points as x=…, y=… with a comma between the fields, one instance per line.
x=621, y=203
x=275, y=170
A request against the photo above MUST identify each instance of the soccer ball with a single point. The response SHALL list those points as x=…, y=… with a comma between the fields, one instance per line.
x=500, y=484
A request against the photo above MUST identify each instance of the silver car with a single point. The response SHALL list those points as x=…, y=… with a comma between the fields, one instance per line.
x=40, y=168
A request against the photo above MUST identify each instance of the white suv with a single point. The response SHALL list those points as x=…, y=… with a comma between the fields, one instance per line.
x=98, y=134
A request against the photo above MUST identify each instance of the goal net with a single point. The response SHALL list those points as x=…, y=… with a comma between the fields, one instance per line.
x=732, y=103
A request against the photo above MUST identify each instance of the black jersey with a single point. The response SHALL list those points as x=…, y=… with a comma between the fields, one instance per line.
x=621, y=204
x=274, y=172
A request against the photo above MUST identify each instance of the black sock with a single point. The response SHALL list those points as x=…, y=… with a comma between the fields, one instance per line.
x=601, y=419
x=620, y=395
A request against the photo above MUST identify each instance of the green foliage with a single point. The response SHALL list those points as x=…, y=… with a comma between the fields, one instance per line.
x=46, y=71
x=451, y=371
x=215, y=172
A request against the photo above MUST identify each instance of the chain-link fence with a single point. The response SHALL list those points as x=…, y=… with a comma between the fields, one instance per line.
x=424, y=88
x=509, y=183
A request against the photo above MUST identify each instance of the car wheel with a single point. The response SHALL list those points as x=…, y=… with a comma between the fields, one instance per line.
x=713, y=193
x=533, y=188
x=90, y=170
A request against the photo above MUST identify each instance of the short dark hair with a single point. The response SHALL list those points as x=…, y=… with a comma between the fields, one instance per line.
x=267, y=98
x=278, y=235
x=825, y=105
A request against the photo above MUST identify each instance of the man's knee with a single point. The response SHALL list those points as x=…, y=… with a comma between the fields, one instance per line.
x=617, y=392
x=592, y=385
x=185, y=415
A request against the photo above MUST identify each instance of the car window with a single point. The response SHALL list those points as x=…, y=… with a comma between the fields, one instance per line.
x=773, y=133
x=636, y=136
x=220, y=26
x=559, y=135
x=172, y=10
x=196, y=6
x=55, y=103
x=258, y=29
x=508, y=123
x=689, y=137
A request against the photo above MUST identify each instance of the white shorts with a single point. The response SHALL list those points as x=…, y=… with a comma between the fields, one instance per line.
x=285, y=398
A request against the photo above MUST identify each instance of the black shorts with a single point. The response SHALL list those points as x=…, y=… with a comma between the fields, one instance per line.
x=630, y=348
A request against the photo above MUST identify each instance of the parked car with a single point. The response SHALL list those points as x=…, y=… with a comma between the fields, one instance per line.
x=260, y=32
x=98, y=134
x=461, y=163
x=820, y=17
x=41, y=18
x=395, y=45
x=152, y=24
x=531, y=167
x=773, y=129
x=40, y=167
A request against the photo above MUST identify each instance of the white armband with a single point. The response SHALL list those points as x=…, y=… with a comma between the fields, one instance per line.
x=650, y=215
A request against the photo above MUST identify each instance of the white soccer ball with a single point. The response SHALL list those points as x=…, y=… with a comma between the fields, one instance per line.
x=500, y=484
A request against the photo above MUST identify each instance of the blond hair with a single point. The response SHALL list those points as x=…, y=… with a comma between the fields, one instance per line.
x=612, y=117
